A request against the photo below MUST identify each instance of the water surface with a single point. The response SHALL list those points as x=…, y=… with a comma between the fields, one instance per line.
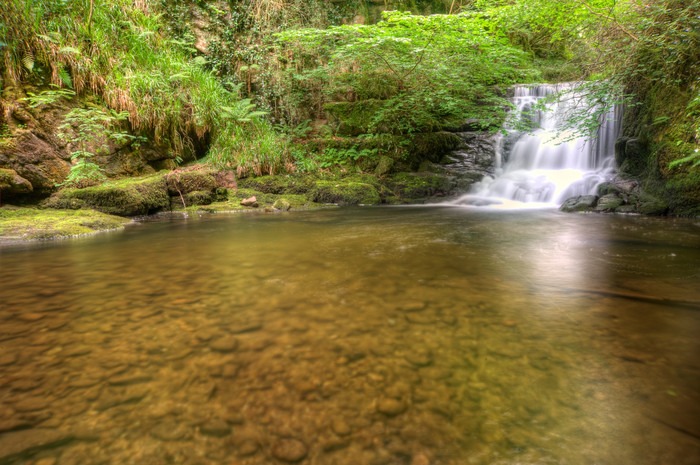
x=357, y=336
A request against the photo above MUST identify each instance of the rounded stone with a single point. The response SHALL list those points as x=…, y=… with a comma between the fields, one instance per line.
x=340, y=427
x=215, y=427
x=224, y=344
x=390, y=407
x=246, y=447
x=289, y=450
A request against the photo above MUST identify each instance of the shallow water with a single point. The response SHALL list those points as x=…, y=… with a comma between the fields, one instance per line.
x=356, y=336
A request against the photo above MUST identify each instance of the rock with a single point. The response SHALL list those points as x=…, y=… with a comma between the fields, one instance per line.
x=129, y=378
x=608, y=203
x=31, y=404
x=181, y=182
x=245, y=445
x=413, y=307
x=129, y=197
x=13, y=183
x=250, y=202
x=335, y=444
x=230, y=370
x=580, y=203
x=119, y=395
x=420, y=358
x=37, y=161
x=289, y=449
x=224, y=344
x=390, y=407
x=340, y=427
x=18, y=444
x=420, y=459
x=344, y=193
x=169, y=431
x=650, y=205
x=384, y=166
x=7, y=359
x=215, y=427
x=282, y=205
x=240, y=327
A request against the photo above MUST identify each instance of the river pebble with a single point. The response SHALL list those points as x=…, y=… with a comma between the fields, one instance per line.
x=289, y=449
x=390, y=406
x=224, y=344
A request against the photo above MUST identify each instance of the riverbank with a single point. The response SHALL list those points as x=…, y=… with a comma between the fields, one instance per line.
x=109, y=206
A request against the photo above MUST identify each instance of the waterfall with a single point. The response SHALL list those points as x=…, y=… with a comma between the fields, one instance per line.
x=536, y=169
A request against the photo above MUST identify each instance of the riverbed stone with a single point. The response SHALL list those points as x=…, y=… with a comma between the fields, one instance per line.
x=224, y=344
x=390, y=407
x=18, y=444
x=7, y=359
x=340, y=427
x=289, y=450
x=31, y=404
x=216, y=427
x=169, y=431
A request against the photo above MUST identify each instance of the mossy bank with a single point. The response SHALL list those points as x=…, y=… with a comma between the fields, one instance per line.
x=79, y=211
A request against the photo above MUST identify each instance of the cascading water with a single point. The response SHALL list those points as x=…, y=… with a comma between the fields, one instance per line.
x=536, y=169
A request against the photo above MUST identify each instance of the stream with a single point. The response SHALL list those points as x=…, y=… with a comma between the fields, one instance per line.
x=391, y=335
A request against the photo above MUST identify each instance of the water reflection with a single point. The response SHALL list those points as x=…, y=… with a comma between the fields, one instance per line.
x=369, y=336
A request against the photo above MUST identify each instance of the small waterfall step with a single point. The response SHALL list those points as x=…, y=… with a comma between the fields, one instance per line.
x=543, y=168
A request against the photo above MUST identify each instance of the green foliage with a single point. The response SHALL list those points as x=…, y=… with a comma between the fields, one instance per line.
x=252, y=148
x=332, y=156
x=47, y=97
x=90, y=129
x=425, y=68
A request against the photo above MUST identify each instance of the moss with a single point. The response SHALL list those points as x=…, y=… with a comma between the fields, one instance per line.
x=184, y=182
x=344, y=193
x=278, y=184
x=417, y=186
x=32, y=223
x=11, y=182
x=130, y=197
x=265, y=201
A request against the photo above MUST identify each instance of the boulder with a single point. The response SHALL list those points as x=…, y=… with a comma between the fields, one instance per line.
x=344, y=193
x=580, y=203
x=13, y=183
x=608, y=203
x=130, y=197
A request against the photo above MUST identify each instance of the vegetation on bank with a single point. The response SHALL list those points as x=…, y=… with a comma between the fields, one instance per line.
x=295, y=86
x=37, y=224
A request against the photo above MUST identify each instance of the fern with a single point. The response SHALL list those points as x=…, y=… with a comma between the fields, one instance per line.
x=64, y=76
x=28, y=61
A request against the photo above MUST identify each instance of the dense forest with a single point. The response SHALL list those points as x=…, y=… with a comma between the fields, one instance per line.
x=95, y=90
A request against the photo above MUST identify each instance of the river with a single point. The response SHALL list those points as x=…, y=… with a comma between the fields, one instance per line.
x=391, y=335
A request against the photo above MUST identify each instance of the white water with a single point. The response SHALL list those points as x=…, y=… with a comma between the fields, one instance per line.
x=538, y=170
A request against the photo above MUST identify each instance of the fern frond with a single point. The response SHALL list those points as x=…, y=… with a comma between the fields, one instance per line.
x=28, y=61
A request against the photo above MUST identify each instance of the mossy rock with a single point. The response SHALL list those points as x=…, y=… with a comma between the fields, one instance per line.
x=41, y=224
x=282, y=205
x=184, y=182
x=581, y=203
x=123, y=198
x=344, y=193
x=417, y=186
x=199, y=198
x=11, y=182
x=278, y=184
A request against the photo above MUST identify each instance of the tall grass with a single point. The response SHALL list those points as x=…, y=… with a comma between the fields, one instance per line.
x=124, y=54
